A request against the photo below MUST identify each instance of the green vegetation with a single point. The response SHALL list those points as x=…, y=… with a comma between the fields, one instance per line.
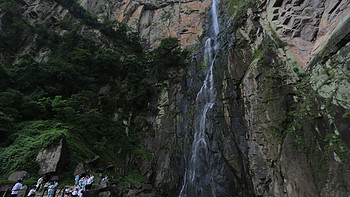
x=81, y=90
x=238, y=9
x=16, y=28
x=28, y=141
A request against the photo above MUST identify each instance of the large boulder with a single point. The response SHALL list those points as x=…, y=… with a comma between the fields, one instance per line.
x=52, y=158
x=19, y=175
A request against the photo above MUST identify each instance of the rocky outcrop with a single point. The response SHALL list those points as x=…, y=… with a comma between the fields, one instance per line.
x=305, y=25
x=52, y=159
x=155, y=20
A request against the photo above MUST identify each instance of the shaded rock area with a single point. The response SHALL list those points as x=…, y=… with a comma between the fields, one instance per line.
x=53, y=158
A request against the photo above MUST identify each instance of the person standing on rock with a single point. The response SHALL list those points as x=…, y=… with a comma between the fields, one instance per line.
x=90, y=181
x=38, y=184
x=67, y=191
x=55, y=183
x=47, y=184
x=50, y=190
x=105, y=178
x=16, y=188
x=80, y=193
x=83, y=183
x=75, y=192
x=77, y=179
x=32, y=192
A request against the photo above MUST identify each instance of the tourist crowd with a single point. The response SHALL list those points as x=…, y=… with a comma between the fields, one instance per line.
x=82, y=183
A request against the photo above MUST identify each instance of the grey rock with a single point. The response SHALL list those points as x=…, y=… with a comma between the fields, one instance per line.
x=104, y=194
x=146, y=187
x=132, y=193
x=52, y=158
x=19, y=175
x=103, y=184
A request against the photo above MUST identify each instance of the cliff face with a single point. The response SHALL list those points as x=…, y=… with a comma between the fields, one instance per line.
x=283, y=105
x=280, y=122
x=155, y=20
x=284, y=99
x=290, y=64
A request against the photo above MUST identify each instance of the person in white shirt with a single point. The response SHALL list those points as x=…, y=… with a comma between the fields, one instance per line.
x=47, y=184
x=66, y=191
x=90, y=181
x=80, y=193
x=32, y=192
x=16, y=188
x=38, y=184
x=55, y=184
x=75, y=192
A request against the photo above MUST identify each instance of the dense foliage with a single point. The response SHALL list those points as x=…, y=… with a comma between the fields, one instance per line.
x=81, y=90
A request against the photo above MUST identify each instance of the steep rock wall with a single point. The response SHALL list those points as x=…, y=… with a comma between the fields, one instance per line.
x=155, y=20
x=298, y=123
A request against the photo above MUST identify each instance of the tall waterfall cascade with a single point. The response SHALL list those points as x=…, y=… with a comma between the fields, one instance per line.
x=197, y=176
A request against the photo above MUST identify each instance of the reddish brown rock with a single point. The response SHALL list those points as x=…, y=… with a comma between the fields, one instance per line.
x=155, y=20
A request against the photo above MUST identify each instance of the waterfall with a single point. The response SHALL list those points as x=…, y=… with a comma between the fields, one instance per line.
x=197, y=177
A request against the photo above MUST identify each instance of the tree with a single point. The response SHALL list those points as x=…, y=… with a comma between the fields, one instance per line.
x=168, y=55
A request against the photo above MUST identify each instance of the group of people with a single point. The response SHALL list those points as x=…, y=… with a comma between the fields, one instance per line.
x=49, y=186
x=82, y=183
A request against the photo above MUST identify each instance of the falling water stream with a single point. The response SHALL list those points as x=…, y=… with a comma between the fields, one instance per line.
x=197, y=178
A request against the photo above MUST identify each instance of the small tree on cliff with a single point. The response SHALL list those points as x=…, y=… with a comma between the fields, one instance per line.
x=168, y=55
